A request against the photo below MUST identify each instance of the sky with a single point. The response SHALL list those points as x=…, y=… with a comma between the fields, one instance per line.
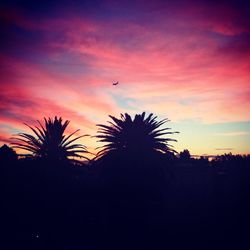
x=188, y=61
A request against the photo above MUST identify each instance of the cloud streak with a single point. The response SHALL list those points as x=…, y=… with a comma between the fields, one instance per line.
x=235, y=133
x=224, y=149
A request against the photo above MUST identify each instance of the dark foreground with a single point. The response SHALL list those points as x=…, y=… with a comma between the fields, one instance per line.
x=188, y=204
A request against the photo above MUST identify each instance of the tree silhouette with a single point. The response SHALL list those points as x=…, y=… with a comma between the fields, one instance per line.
x=50, y=142
x=7, y=154
x=138, y=135
x=185, y=155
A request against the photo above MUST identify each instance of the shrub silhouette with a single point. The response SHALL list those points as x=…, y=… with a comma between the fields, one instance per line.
x=138, y=135
x=50, y=142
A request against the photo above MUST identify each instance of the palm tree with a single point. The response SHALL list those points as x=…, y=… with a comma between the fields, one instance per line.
x=50, y=142
x=134, y=163
x=139, y=135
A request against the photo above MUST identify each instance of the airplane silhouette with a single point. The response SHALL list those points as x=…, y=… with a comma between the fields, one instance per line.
x=115, y=83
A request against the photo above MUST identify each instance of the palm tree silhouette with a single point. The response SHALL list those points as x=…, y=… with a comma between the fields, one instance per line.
x=50, y=142
x=138, y=135
x=134, y=163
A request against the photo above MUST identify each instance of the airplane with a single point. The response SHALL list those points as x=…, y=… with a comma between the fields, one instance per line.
x=115, y=83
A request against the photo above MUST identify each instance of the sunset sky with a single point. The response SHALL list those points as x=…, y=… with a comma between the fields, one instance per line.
x=188, y=61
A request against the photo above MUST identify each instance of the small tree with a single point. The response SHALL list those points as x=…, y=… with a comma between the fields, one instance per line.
x=7, y=154
x=185, y=155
